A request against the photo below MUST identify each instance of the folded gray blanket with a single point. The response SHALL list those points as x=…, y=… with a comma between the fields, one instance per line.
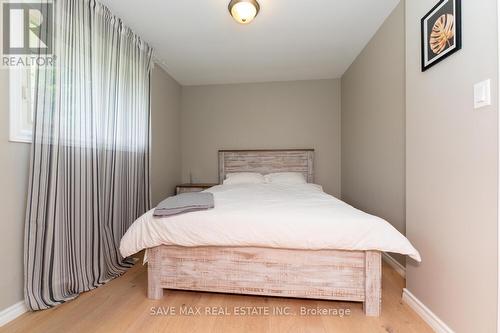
x=184, y=203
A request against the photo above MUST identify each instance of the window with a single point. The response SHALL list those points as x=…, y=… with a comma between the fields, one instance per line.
x=22, y=90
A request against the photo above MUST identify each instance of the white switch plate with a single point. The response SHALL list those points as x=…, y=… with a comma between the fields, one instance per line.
x=482, y=94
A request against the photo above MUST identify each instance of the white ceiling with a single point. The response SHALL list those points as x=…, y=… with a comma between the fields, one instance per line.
x=198, y=42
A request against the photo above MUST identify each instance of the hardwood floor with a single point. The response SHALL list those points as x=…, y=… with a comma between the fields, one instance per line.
x=122, y=306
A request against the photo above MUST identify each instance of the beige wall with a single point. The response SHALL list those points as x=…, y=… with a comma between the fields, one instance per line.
x=451, y=174
x=300, y=114
x=13, y=187
x=373, y=126
x=165, y=168
x=165, y=140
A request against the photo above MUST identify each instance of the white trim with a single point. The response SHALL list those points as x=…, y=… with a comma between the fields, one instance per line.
x=17, y=131
x=161, y=63
x=12, y=312
x=400, y=269
x=498, y=185
x=425, y=313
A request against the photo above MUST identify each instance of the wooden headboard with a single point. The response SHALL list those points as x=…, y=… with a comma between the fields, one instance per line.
x=267, y=161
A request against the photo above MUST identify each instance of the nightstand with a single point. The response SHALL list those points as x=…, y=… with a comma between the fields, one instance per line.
x=186, y=188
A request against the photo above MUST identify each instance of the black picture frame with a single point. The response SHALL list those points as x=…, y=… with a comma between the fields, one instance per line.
x=444, y=7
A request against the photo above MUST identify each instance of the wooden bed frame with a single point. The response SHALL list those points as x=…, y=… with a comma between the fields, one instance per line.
x=326, y=274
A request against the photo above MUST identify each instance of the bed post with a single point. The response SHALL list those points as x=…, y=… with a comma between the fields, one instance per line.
x=373, y=283
x=222, y=172
x=155, y=291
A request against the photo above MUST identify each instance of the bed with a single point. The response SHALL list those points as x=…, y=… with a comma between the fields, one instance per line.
x=287, y=241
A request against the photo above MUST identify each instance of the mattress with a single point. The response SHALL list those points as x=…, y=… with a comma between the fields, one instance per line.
x=301, y=217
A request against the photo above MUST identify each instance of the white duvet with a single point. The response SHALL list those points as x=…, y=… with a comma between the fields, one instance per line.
x=269, y=215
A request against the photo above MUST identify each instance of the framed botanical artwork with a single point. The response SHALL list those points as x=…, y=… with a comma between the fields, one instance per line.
x=441, y=32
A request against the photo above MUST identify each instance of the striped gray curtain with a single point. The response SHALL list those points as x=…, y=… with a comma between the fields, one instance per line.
x=89, y=177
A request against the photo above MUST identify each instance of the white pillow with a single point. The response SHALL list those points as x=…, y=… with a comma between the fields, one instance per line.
x=244, y=178
x=290, y=178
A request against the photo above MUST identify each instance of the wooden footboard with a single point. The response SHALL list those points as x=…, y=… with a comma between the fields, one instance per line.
x=327, y=274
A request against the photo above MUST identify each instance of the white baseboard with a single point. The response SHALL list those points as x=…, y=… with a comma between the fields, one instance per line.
x=425, y=313
x=12, y=312
x=394, y=264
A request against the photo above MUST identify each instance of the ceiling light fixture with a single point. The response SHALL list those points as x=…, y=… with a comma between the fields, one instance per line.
x=244, y=11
